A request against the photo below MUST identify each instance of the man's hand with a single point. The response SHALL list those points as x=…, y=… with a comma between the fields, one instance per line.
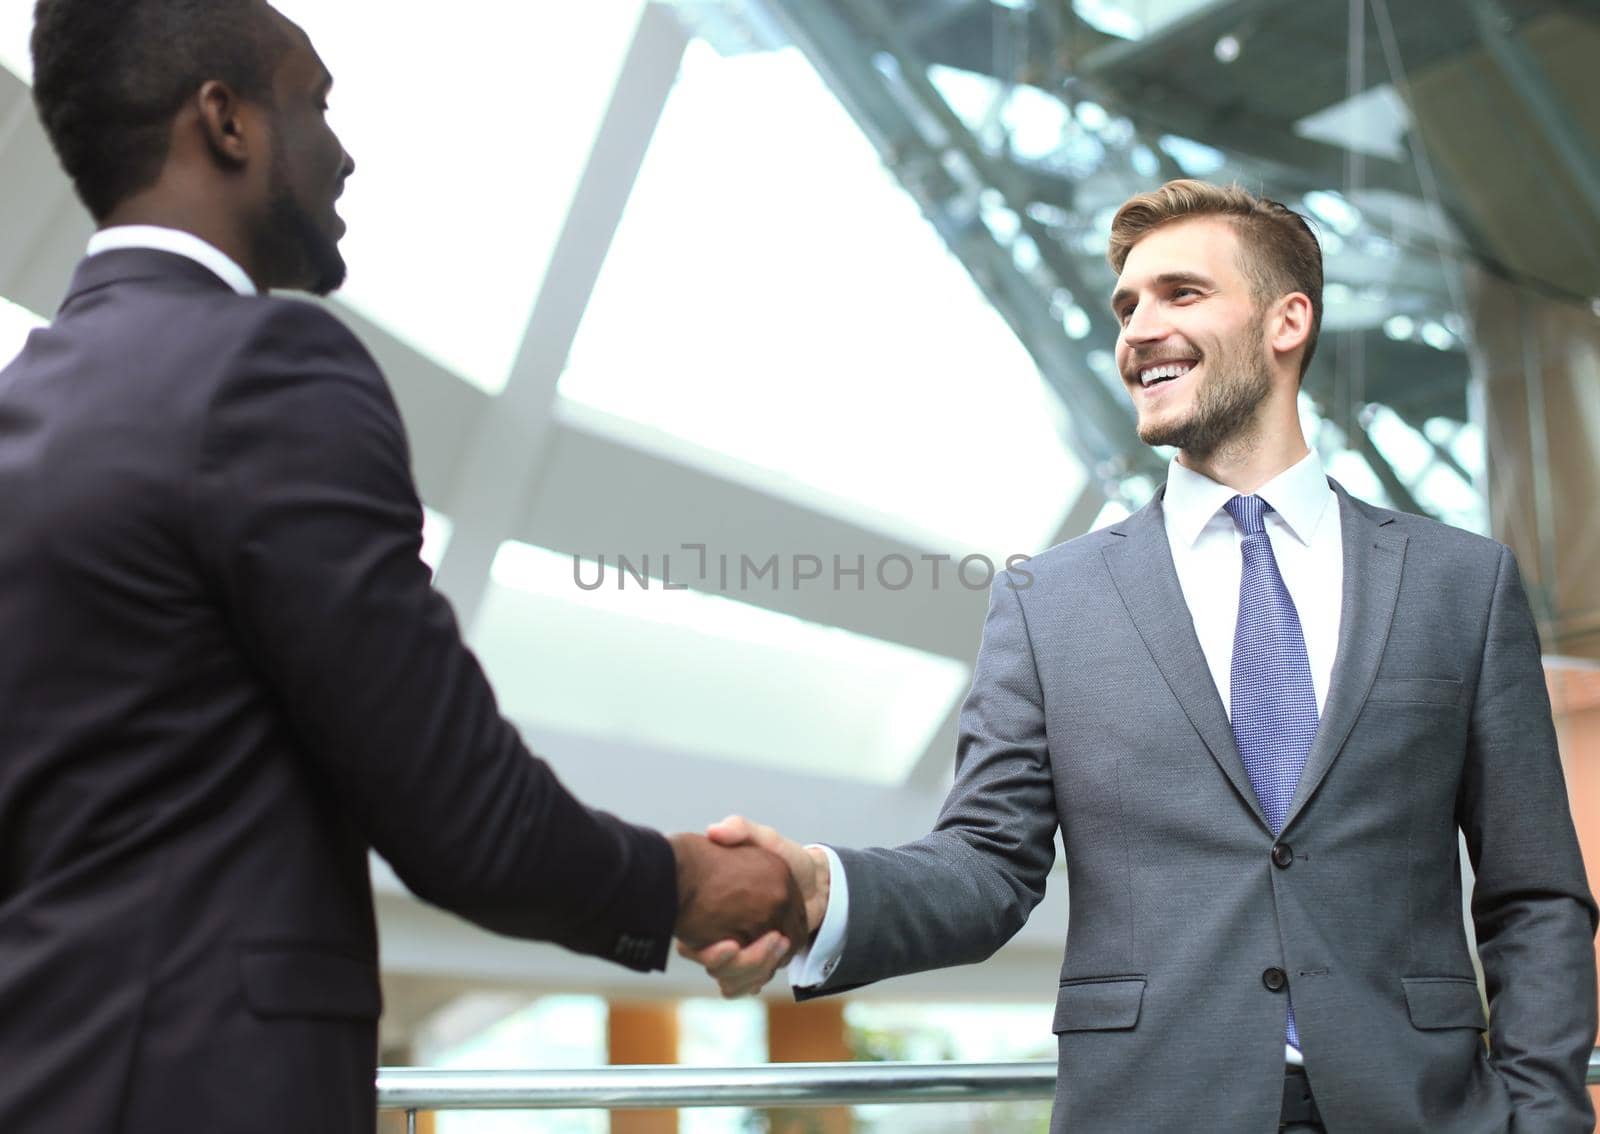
x=739, y=893
x=743, y=968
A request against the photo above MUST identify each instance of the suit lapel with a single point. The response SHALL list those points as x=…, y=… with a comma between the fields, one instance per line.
x=1374, y=552
x=1141, y=568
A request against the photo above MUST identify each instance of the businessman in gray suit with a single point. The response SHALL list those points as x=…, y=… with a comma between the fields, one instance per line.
x=1260, y=712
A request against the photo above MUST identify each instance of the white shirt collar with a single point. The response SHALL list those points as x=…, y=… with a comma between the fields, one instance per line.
x=1299, y=495
x=179, y=243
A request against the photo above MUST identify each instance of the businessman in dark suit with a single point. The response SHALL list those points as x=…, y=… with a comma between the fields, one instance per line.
x=225, y=672
x=1259, y=712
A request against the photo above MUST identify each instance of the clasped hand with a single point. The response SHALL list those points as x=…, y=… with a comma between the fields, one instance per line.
x=742, y=954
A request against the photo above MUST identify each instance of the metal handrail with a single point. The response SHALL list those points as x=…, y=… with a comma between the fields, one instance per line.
x=415, y=1089
x=787, y=1084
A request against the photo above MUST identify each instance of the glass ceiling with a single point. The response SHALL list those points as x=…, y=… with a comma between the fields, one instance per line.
x=776, y=308
x=773, y=296
x=1393, y=263
x=1135, y=19
x=459, y=192
x=470, y=123
x=16, y=21
x=611, y=663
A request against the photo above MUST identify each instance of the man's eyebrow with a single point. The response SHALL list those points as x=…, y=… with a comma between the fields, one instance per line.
x=1166, y=280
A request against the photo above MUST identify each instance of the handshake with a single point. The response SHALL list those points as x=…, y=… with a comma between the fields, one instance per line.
x=748, y=898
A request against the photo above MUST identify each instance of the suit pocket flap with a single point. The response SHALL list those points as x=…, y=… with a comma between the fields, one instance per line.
x=1443, y=1002
x=299, y=980
x=1417, y=690
x=1098, y=1005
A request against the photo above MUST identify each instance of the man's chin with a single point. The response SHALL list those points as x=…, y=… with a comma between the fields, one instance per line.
x=1158, y=433
x=327, y=270
x=328, y=284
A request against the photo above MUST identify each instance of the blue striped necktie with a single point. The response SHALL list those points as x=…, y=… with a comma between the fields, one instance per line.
x=1273, y=703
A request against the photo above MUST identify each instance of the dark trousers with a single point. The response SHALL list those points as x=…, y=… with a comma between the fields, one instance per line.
x=1300, y=1114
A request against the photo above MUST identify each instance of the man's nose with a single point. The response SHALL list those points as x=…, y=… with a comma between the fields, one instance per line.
x=1145, y=324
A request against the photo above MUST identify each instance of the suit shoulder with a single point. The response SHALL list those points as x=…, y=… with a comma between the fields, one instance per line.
x=282, y=348
x=1435, y=535
x=1067, y=557
x=297, y=325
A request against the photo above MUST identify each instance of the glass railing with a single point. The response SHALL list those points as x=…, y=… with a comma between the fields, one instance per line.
x=417, y=1089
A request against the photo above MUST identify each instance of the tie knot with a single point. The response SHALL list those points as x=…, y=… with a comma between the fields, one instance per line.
x=1249, y=513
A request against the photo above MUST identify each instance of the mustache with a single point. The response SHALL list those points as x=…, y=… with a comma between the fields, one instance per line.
x=1140, y=360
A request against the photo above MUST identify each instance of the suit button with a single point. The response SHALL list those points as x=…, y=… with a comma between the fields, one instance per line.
x=1275, y=979
x=1282, y=855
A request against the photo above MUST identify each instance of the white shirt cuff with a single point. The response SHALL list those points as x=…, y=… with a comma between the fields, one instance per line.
x=814, y=965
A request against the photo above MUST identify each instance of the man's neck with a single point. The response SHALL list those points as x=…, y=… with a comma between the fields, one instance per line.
x=1245, y=464
x=1270, y=443
x=199, y=222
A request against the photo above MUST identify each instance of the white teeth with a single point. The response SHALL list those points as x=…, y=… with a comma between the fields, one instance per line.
x=1166, y=370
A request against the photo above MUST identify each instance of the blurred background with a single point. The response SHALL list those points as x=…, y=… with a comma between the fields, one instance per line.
x=739, y=340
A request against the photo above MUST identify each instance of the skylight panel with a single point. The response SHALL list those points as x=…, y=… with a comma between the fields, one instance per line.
x=774, y=296
x=15, y=324
x=470, y=124
x=16, y=24
x=682, y=670
x=1373, y=122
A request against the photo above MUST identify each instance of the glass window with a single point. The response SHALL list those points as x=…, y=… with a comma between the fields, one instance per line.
x=489, y=1031
x=470, y=124
x=775, y=299
x=721, y=1033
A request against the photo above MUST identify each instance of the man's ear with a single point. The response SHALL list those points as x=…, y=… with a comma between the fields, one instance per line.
x=226, y=123
x=1289, y=324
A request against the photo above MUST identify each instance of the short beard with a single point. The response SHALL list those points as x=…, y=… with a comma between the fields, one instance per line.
x=1238, y=381
x=294, y=249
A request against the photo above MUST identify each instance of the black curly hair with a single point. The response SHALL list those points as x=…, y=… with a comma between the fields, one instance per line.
x=110, y=75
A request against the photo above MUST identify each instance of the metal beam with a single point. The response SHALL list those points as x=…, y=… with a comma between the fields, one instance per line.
x=1200, y=26
x=657, y=506
x=945, y=167
x=1285, y=157
x=501, y=468
x=1544, y=103
x=1399, y=492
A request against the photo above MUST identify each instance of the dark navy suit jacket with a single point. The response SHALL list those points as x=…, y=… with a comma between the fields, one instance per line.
x=224, y=674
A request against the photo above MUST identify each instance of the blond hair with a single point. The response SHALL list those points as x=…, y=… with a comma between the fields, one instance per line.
x=1278, y=252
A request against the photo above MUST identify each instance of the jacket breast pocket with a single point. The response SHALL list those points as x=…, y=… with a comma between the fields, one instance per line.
x=1443, y=1002
x=1099, y=1005
x=1416, y=690
x=305, y=980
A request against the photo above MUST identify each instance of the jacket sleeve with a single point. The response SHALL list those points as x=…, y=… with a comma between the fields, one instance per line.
x=1531, y=906
x=958, y=894
x=308, y=526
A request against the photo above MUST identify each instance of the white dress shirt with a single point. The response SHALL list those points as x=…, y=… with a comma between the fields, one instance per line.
x=179, y=243
x=1305, y=531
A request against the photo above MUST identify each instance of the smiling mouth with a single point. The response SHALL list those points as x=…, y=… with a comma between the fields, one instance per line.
x=1156, y=374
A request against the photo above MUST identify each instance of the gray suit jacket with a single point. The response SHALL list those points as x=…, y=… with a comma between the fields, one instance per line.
x=1092, y=706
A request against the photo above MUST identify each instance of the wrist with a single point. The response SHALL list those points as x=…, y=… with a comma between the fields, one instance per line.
x=686, y=869
x=817, y=900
